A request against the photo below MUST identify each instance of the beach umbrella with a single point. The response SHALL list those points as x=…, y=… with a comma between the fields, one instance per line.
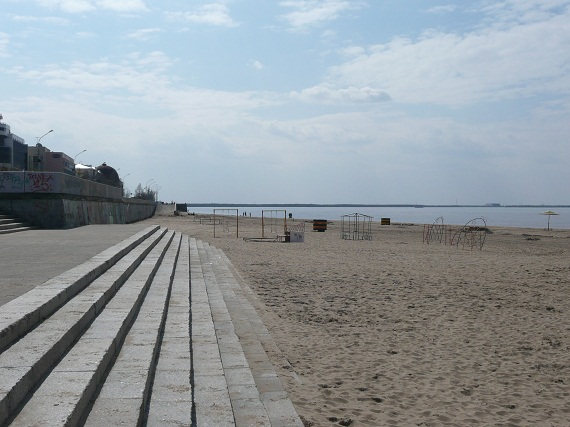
x=549, y=213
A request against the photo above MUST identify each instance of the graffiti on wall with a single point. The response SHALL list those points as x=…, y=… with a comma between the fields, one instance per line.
x=55, y=182
x=11, y=182
x=40, y=182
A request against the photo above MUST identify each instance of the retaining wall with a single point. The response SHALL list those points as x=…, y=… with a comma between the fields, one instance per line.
x=58, y=200
x=55, y=183
x=64, y=212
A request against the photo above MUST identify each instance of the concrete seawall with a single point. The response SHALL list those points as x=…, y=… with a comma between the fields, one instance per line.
x=58, y=200
x=61, y=211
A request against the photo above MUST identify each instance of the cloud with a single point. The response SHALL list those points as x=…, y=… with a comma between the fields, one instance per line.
x=447, y=8
x=490, y=63
x=209, y=14
x=306, y=13
x=523, y=11
x=4, y=41
x=351, y=94
x=136, y=74
x=82, y=6
x=69, y=6
x=144, y=33
x=43, y=19
x=122, y=5
x=143, y=79
x=257, y=65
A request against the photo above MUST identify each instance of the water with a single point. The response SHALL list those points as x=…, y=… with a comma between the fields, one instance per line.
x=494, y=216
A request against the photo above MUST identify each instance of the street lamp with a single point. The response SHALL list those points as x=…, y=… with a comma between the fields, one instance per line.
x=74, y=157
x=156, y=194
x=39, y=138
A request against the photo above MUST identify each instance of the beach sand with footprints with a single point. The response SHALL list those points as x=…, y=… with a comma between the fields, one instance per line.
x=396, y=332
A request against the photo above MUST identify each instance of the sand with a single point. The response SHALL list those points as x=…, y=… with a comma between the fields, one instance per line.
x=396, y=332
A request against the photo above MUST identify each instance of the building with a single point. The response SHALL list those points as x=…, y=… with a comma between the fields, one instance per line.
x=56, y=161
x=13, y=150
x=37, y=157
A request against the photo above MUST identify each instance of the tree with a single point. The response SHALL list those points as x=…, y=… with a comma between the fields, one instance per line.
x=144, y=193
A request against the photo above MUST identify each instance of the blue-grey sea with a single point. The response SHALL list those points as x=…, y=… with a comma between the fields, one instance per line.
x=494, y=216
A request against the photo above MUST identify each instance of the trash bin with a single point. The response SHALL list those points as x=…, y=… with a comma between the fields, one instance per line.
x=319, y=225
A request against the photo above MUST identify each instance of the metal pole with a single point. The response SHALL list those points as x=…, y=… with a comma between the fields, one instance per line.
x=262, y=225
x=214, y=223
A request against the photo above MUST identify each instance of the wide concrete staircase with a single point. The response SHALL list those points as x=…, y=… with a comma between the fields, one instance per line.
x=11, y=224
x=153, y=331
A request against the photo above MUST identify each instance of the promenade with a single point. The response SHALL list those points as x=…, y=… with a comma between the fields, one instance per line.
x=130, y=324
x=31, y=258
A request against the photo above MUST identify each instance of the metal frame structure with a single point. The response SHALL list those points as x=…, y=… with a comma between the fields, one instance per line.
x=472, y=234
x=227, y=210
x=263, y=220
x=435, y=232
x=356, y=226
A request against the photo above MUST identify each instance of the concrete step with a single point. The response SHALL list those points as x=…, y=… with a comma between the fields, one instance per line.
x=125, y=395
x=22, y=314
x=248, y=409
x=212, y=406
x=64, y=397
x=15, y=230
x=12, y=224
x=171, y=399
x=161, y=334
x=254, y=339
x=27, y=361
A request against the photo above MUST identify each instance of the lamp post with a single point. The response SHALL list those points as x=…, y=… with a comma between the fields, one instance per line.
x=157, y=188
x=82, y=151
x=39, y=138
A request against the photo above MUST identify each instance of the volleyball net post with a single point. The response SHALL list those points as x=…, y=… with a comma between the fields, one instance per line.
x=272, y=211
x=227, y=210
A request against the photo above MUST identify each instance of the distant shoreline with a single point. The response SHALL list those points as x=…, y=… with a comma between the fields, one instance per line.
x=344, y=205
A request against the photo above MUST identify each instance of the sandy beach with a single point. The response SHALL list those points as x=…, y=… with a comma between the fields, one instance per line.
x=396, y=332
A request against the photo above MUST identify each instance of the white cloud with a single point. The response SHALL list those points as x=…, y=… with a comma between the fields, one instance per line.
x=144, y=78
x=122, y=5
x=351, y=94
x=491, y=63
x=144, y=33
x=306, y=13
x=4, y=41
x=447, y=8
x=85, y=34
x=523, y=11
x=43, y=19
x=257, y=65
x=69, y=6
x=211, y=14
x=81, y=6
x=352, y=51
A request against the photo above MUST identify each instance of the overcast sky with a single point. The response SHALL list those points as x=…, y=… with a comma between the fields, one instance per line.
x=306, y=101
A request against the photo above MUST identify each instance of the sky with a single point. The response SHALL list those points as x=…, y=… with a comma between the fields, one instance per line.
x=299, y=101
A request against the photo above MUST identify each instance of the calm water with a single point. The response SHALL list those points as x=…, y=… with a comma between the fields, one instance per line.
x=498, y=216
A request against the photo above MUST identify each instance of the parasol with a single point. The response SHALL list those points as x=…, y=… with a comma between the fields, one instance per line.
x=549, y=213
